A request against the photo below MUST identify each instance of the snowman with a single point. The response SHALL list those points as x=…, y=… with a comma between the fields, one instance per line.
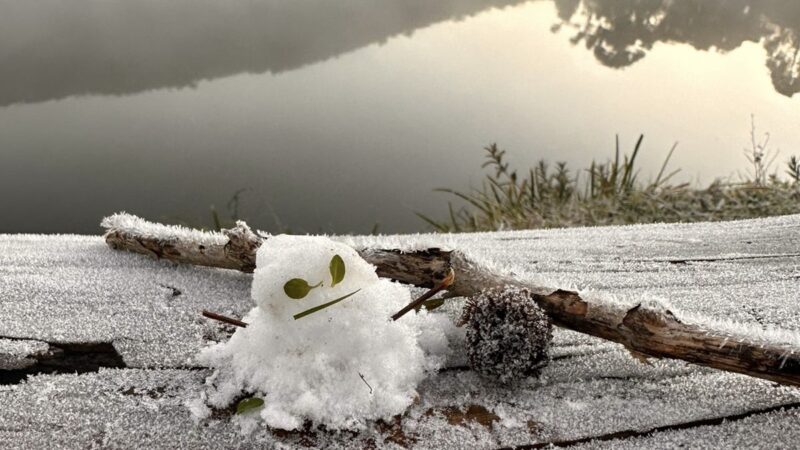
x=320, y=344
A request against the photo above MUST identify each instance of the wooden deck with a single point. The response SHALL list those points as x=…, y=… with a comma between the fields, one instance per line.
x=130, y=327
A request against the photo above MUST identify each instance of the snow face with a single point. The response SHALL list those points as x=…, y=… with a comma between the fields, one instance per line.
x=338, y=367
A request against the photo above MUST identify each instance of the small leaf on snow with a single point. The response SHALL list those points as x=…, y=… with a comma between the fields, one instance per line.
x=298, y=288
x=337, y=270
x=249, y=404
x=323, y=306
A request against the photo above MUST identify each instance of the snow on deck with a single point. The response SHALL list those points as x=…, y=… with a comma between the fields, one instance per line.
x=132, y=326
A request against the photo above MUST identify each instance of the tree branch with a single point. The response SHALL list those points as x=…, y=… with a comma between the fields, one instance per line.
x=647, y=330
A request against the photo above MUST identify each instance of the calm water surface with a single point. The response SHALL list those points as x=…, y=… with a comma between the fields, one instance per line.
x=337, y=115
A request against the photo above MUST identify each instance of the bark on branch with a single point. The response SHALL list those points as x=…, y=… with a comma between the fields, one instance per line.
x=646, y=330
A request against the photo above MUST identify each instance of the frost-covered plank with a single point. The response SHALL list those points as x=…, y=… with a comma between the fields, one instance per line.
x=774, y=428
x=118, y=407
x=74, y=289
x=18, y=354
x=745, y=270
x=66, y=289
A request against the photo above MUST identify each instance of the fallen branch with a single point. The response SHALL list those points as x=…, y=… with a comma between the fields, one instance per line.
x=645, y=330
x=232, y=249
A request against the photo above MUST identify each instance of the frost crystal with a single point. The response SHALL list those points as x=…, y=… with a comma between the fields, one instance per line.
x=508, y=334
x=337, y=367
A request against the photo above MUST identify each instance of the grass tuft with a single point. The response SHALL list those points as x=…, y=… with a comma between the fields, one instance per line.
x=611, y=194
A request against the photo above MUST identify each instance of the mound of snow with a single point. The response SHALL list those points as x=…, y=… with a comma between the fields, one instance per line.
x=338, y=367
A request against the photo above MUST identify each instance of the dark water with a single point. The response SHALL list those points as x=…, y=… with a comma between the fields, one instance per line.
x=337, y=115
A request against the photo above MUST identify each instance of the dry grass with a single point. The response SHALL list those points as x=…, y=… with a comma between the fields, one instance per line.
x=611, y=194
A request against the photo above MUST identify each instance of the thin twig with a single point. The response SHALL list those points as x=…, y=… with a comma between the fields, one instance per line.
x=448, y=280
x=225, y=319
x=365, y=382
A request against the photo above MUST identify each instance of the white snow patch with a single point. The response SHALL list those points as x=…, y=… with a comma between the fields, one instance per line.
x=197, y=406
x=339, y=367
x=508, y=418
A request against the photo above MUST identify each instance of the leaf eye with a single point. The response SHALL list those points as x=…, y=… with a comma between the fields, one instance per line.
x=298, y=288
x=337, y=270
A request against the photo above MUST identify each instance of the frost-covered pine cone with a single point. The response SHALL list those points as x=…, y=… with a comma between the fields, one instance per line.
x=508, y=334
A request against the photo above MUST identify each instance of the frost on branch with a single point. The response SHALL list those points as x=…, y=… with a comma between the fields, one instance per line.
x=339, y=366
x=508, y=334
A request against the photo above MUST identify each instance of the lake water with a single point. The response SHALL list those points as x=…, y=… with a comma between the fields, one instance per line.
x=337, y=115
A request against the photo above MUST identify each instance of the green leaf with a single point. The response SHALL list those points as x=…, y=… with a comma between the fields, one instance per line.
x=323, y=306
x=249, y=404
x=430, y=305
x=337, y=270
x=298, y=288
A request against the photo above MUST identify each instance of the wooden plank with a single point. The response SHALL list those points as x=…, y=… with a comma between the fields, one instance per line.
x=71, y=289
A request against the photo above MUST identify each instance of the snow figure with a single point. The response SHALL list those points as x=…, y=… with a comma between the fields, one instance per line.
x=339, y=366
